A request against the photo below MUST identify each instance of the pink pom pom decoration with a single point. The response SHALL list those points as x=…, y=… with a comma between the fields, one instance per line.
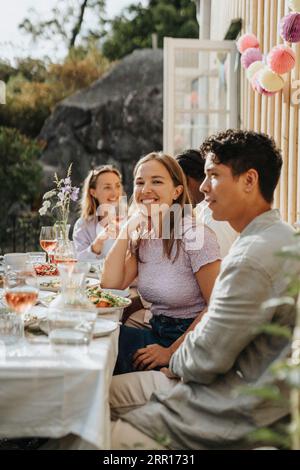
x=249, y=56
x=247, y=41
x=290, y=27
x=281, y=59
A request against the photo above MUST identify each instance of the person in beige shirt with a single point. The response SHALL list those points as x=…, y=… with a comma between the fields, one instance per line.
x=193, y=404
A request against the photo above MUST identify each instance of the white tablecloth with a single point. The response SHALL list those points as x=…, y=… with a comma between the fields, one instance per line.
x=50, y=393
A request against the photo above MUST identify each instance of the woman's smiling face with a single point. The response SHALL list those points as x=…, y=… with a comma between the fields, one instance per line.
x=153, y=186
x=108, y=188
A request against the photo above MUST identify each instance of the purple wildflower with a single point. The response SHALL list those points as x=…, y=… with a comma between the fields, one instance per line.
x=74, y=194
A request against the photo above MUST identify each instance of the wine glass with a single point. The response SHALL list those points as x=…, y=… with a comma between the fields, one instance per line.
x=20, y=289
x=48, y=240
x=65, y=253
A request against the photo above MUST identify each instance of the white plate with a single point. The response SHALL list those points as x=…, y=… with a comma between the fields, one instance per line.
x=120, y=293
x=104, y=327
x=55, y=279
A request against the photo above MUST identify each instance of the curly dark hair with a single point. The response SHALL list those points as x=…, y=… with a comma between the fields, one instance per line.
x=243, y=150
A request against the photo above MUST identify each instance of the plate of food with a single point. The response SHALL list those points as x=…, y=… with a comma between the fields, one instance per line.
x=46, y=269
x=49, y=283
x=105, y=300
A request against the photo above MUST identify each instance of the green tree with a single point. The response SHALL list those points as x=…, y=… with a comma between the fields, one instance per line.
x=20, y=171
x=133, y=29
x=34, y=88
x=67, y=21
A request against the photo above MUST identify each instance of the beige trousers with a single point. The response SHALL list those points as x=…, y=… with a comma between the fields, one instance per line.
x=130, y=391
x=139, y=319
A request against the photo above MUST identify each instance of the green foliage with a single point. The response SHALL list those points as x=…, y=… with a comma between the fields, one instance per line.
x=33, y=89
x=20, y=171
x=6, y=71
x=81, y=67
x=274, y=438
x=276, y=330
x=268, y=392
x=133, y=29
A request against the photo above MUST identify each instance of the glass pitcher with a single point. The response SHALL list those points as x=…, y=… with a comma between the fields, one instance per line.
x=72, y=316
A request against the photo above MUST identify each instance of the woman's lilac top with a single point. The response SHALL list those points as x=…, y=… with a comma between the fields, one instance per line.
x=172, y=287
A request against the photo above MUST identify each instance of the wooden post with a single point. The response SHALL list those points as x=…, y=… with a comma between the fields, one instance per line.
x=278, y=105
x=260, y=36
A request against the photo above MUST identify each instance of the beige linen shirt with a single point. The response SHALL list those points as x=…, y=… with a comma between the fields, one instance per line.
x=227, y=349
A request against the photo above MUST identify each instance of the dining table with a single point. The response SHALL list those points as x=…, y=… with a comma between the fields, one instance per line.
x=57, y=392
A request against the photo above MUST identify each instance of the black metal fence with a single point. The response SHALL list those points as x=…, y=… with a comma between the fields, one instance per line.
x=21, y=233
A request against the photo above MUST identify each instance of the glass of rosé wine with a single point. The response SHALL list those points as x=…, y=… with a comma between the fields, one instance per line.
x=20, y=289
x=48, y=240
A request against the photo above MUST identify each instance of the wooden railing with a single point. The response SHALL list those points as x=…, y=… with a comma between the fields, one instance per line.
x=277, y=116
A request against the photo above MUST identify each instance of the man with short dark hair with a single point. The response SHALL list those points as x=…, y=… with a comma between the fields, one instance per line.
x=227, y=349
x=192, y=163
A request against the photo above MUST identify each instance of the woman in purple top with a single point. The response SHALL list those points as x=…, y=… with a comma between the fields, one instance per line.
x=176, y=262
x=102, y=189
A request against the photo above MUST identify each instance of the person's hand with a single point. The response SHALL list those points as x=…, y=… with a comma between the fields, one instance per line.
x=150, y=357
x=139, y=221
x=168, y=373
x=97, y=245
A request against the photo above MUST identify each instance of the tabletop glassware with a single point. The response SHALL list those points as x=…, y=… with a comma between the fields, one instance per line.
x=11, y=327
x=71, y=315
x=20, y=289
x=48, y=240
x=65, y=252
x=37, y=257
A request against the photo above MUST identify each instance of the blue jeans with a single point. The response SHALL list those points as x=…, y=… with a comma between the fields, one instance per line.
x=165, y=330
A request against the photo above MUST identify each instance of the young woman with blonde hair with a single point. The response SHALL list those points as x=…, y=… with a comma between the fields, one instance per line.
x=175, y=274
x=92, y=234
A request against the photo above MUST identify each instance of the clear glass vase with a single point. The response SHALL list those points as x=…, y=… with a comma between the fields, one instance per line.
x=65, y=251
x=71, y=315
x=62, y=230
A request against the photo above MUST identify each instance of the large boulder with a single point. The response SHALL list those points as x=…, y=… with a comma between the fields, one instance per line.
x=115, y=120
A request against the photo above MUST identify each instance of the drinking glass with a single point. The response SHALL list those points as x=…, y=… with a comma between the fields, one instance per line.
x=70, y=327
x=65, y=252
x=37, y=257
x=21, y=289
x=71, y=315
x=11, y=327
x=48, y=240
